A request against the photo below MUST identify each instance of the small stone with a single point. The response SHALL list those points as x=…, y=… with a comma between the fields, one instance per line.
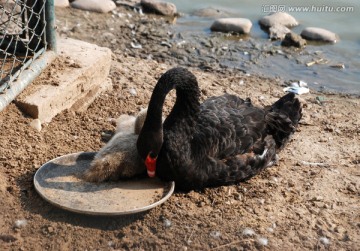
x=167, y=223
x=136, y=46
x=36, y=124
x=103, y=6
x=262, y=241
x=273, y=178
x=7, y=238
x=319, y=34
x=50, y=230
x=160, y=8
x=238, y=196
x=324, y=240
x=181, y=43
x=248, y=232
x=351, y=188
x=291, y=183
x=278, y=32
x=293, y=39
x=20, y=223
x=278, y=18
x=163, y=43
x=133, y=91
x=238, y=25
x=317, y=198
x=270, y=229
x=215, y=234
x=111, y=244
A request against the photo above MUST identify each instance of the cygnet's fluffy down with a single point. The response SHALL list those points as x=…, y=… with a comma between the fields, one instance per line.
x=128, y=124
x=119, y=157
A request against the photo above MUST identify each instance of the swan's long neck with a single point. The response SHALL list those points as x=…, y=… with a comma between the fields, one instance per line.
x=187, y=98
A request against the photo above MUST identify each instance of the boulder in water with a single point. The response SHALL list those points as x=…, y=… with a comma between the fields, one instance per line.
x=278, y=18
x=160, y=8
x=237, y=25
x=319, y=34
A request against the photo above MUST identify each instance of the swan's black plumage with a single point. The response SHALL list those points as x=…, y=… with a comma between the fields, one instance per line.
x=221, y=141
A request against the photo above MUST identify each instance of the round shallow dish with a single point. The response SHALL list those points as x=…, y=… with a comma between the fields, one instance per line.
x=59, y=182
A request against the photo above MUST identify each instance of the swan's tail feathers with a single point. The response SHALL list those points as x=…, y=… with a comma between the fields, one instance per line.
x=244, y=166
x=290, y=106
x=283, y=117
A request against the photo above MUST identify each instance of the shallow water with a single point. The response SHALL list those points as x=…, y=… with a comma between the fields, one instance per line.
x=341, y=17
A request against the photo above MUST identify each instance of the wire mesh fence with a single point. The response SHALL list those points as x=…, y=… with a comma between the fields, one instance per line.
x=23, y=36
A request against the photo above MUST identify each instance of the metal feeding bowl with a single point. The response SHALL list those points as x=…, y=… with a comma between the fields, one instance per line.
x=59, y=182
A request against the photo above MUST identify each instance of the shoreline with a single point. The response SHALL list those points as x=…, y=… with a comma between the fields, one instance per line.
x=332, y=65
x=155, y=37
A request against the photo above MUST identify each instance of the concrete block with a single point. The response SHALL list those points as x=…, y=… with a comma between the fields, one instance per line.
x=72, y=81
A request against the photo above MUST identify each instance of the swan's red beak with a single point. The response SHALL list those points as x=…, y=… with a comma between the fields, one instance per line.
x=150, y=164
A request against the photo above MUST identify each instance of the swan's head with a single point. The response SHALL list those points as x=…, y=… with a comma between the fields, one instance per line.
x=149, y=146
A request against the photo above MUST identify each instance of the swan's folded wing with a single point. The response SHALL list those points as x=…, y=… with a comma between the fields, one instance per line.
x=227, y=126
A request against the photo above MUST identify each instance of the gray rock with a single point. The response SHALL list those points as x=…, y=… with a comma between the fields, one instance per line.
x=61, y=3
x=238, y=25
x=262, y=241
x=278, y=32
x=160, y=8
x=20, y=223
x=324, y=240
x=248, y=232
x=278, y=18
x=36, y=124
x=293, y=39
x=319, y=34
x=94, y=5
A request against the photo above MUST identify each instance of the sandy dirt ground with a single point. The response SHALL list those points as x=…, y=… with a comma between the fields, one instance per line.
x=308, y=201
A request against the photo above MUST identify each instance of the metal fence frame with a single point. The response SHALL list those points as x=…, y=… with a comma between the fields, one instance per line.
x=19, y=80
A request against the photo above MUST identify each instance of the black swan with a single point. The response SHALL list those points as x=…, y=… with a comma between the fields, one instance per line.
x=222, y=141
x=119, y=158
